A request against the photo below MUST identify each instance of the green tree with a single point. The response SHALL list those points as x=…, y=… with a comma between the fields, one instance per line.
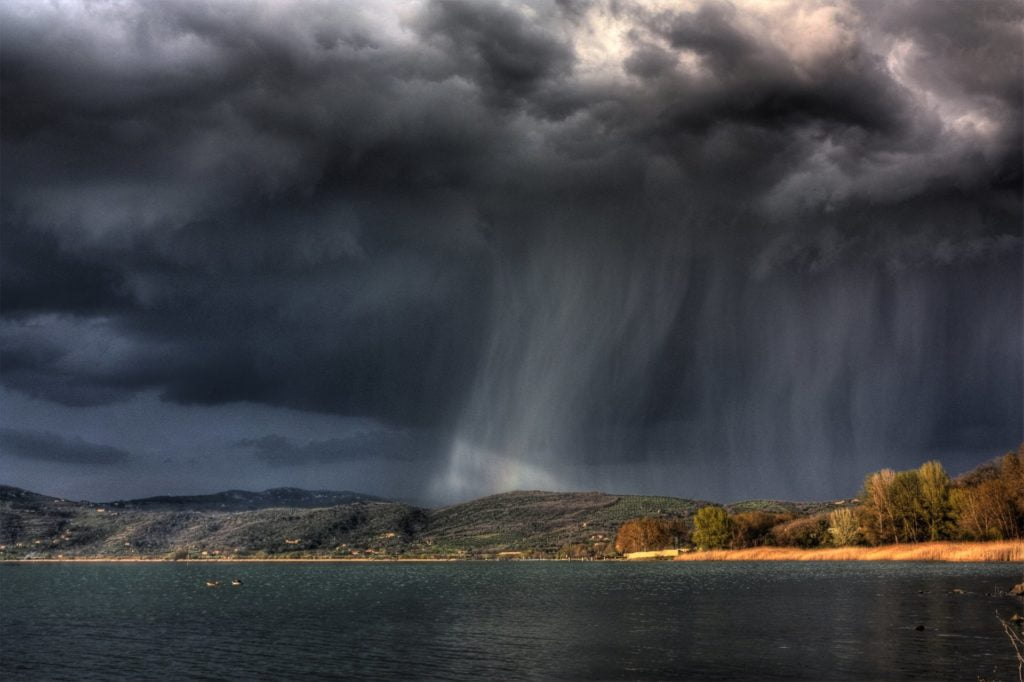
x=893, y=508
x=877, y=516
x=907, y=509
x=843, y=527
x=934, y=502
x=972, y=507
x=712, y=528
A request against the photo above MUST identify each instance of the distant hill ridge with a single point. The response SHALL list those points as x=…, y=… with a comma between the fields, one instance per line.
x=283, y=521
x=240, y=500
x=228, y=500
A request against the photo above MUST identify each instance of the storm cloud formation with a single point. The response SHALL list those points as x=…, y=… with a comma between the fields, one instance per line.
x=708, y=248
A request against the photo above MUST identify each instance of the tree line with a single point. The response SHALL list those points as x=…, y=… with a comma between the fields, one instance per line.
x=917, y=505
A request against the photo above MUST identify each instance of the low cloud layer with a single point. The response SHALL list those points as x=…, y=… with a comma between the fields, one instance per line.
x=49, y=447
x=384, y=447
x=734, y=244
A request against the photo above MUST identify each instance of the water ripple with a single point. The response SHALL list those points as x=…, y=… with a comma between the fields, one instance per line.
x=503, y=621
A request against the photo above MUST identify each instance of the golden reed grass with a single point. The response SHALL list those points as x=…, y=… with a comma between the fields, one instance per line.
x=1007, y=550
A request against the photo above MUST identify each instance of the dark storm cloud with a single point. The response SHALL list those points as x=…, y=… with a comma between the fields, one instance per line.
x=49, y=447
x=504, y=53
x=759, y=83
x=537, y=227
x=392, y=446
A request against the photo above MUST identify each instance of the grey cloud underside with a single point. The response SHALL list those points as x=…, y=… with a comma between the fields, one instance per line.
x=48, y=447
x=392, y=446
x=455, y=221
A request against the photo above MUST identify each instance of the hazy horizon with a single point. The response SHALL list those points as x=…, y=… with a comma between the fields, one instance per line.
x=199, y=489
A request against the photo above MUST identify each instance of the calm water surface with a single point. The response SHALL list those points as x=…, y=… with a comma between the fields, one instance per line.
x=517, y=620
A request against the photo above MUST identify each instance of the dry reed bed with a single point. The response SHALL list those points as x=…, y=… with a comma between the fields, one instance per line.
x=1008, y=550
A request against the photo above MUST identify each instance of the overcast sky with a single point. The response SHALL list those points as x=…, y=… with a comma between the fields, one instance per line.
x=434, y=249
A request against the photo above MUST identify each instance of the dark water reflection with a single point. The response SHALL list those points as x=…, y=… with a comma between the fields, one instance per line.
x=707, y=621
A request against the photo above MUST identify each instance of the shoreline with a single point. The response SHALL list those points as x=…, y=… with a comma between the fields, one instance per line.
x=157, y=560
x=996, y=551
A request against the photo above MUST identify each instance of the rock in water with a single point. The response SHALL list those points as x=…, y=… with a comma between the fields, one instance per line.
x=1018, y=590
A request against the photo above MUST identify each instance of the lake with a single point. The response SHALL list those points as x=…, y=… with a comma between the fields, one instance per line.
x=507, y=620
